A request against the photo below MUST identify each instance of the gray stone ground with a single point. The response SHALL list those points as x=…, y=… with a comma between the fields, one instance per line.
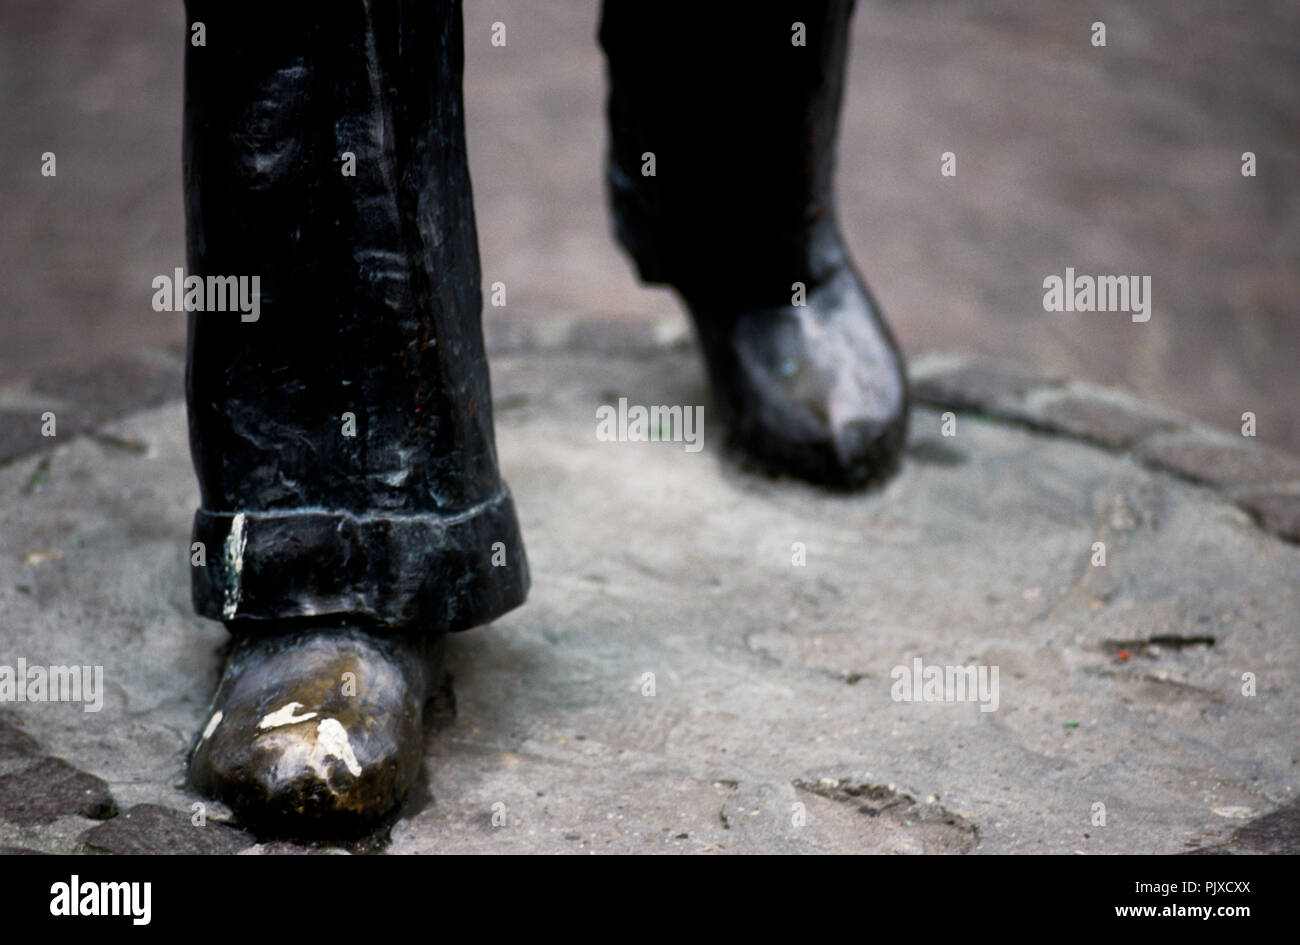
x=1119, y=685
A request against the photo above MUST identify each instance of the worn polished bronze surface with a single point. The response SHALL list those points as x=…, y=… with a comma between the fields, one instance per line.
x=317, y=731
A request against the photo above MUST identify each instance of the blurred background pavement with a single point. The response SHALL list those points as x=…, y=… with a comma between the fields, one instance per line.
x=1124, y=159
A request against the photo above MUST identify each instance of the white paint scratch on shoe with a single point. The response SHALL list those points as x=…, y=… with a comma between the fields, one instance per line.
x=236, y=543
x=285, y=716
x=332, y=739
x=212, y=725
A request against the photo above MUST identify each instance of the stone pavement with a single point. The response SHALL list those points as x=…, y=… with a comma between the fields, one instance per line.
x=677, y=682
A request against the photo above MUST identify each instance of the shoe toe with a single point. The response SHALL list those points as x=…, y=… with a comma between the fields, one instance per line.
x=816, y=391
x=323, y=735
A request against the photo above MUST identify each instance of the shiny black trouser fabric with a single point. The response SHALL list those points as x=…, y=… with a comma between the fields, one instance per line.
x=742, y=124
x=370, y=284
x=370, y=306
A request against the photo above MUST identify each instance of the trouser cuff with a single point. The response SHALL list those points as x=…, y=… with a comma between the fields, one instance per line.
x=425, y=572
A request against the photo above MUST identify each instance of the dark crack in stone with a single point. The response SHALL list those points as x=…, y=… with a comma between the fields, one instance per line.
x=1108, y=424
x=978, y=386
x=1220, y=463
x=936, y=829
x=1277, y=511
x=933, y=452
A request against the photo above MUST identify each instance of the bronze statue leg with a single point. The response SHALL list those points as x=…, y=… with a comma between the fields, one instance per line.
x=351, y=510
x=723, y=122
